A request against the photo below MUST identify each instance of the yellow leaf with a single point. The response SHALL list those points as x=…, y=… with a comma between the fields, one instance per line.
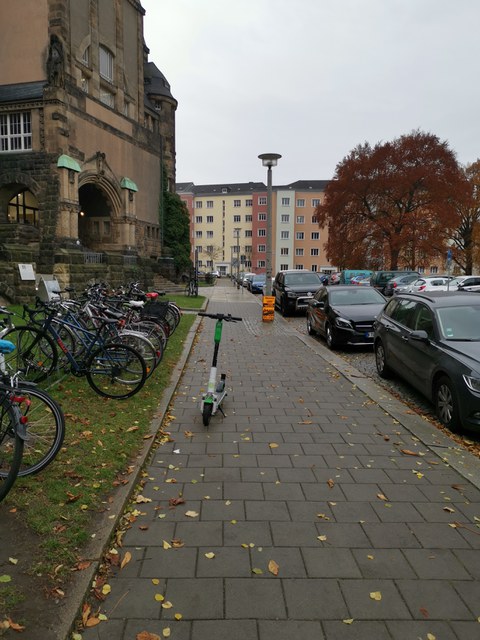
x=381, y=496
x=102, y=617
x=155, y=581
x=178, y=616
x=228, y=503
x=370, y=557
x=273, y=445
x=166, y=545
x=330, y=483
x=126, y=559
x=376, y=595
x=171, y=480
x=348, y=620
x=233, y=522
x=273, y=567
x=322, y=538
x=257, y=571
x=162, y=515
x=430, y=636
x=209, y=555
x=92, y=622
x=139, y=499
x=13, y=560
x=191, y=514
x=159, y=597
x=167, y=605
x=106, y=589
x=166, y=632
x=245, y=546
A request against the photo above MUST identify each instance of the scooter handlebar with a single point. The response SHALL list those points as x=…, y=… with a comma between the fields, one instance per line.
x=220, y=316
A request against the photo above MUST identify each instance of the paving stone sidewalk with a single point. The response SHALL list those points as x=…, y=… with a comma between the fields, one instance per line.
x=305, y=476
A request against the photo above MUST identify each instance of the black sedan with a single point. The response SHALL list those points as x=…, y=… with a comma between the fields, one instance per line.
x=432, y=340
x=344, y=314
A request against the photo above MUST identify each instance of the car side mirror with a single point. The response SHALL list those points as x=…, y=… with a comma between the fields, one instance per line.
x=420, y=336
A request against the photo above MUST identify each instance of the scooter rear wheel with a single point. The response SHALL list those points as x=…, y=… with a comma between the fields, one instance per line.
x=207, y=413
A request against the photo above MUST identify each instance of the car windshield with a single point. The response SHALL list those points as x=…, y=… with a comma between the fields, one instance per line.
x=303, y=278
x=258, y=278
x=356, y=295
x=460, y=323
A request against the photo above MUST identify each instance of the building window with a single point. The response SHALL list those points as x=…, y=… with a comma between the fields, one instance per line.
x=261, y=264
x=199, y=249
x=299, y=266
x=300, y=219
x=285, y=217
x=285, y=202
x=299, y=252
x=262, y=200
x=209, y=248
x=300, y=202
x=434, y=270
x=248, y=248
x=262, y=233
x=16, y=131
x=106, y=228
x=84, y=83
x=315, y=235
x=249, y=203
x=107, y=97
x=209, y=218
x=314, y=220
x=314, y=267
x=285, y=235
x=284, y=251
x=86, y=57
x=209, y=234
x=248, y=217
x=106, y=64
x=237, y=218
x=314, y=252
x=283, y=267
x=237, y=203
x=248, y=233
x=315, y=202
x=23, y=209
x=300, y=235
x=209, y=204
x=198, y=234
x=262, y=216
x=198, y=204
x=262, y=248
x=198, y=219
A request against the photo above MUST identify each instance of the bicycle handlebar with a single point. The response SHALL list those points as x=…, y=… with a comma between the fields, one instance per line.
x=220, y=316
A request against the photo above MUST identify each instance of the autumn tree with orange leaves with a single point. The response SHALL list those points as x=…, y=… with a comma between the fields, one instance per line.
x=392, y=204
x=466, y=237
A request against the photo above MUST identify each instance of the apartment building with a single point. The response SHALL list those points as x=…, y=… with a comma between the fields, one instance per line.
x=228, y=224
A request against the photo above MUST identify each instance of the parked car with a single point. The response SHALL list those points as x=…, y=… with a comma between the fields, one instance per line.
x=256, y=283
x=347, y=275
x=429, y=283
x=380, y=278
x=334, y=278
x=432, y=340
x=468, y=283
x=245, y=278
x=399, y=284
x=344, y=315
x=293, y=288
x=361, y=281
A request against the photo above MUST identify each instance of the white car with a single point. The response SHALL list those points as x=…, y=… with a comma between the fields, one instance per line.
x=430, y=283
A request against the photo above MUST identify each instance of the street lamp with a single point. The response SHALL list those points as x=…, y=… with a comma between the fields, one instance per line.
x=269, y=160
x=236, y=234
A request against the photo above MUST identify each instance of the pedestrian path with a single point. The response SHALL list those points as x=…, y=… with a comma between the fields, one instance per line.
x=307, y=512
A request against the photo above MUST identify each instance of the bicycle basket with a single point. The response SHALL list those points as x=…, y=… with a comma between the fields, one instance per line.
x=155, y=310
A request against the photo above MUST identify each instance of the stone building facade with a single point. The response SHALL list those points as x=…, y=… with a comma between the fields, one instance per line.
x=87, y=139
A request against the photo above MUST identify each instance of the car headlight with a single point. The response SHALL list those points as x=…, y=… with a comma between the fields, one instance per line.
x=472, y=383
x=291, y=294
x=343, y=323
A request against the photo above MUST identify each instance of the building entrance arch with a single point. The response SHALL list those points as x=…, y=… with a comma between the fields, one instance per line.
x=99, y=209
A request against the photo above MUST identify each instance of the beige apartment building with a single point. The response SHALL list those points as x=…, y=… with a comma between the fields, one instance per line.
x=87, y=138
x=228, y=225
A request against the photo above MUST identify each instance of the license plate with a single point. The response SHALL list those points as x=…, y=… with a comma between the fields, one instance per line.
x=369, y=334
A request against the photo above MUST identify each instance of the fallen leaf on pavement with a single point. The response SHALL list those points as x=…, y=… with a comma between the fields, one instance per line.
x=126, y=559
x=273, y=567
x=330, y=483
x=191, y=514
x=376, y=595
x=146, y=635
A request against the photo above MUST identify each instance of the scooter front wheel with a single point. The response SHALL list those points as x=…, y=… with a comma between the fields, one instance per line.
x=207, y=413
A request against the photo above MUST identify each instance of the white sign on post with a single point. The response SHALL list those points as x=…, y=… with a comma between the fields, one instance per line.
x=26, y=271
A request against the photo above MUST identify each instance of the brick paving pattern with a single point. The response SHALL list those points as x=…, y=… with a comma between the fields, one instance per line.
x=305, y=471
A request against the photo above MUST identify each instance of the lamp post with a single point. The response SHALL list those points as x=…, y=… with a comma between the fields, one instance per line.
x=236, y=234
x=269, y=160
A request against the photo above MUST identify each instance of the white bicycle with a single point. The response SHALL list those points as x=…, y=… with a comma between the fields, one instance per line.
x=216, y=390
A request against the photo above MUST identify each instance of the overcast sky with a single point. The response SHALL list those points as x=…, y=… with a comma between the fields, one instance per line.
x=312, y=79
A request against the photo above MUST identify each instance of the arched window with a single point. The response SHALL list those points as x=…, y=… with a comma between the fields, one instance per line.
x=23, y=209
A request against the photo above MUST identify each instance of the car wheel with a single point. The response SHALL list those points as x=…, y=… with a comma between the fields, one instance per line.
x=283, y=307
x=330, y=337
x=446, y=403
x=311, y=331
x=383, y=369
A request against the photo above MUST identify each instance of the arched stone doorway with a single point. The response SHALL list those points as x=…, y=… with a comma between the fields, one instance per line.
x=95, y=217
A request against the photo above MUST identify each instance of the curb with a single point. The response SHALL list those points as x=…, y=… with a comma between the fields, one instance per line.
x=96, y=549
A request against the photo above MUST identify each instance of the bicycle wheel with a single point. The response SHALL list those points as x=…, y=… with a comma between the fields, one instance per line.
x=142, y=344
x=152, y=330
x=11, y=444
x=116, y=371
x=35, y=356
x=207, y=413
x=45, y=428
